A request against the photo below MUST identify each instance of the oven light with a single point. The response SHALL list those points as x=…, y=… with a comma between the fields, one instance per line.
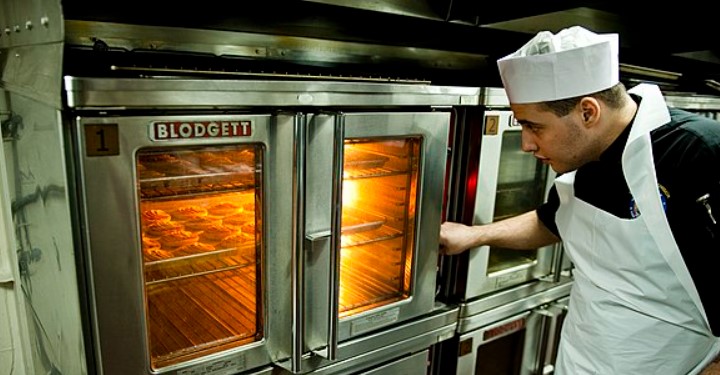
x=350, y=193
x=472, y=184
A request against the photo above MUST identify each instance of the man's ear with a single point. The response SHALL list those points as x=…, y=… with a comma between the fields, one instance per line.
x=590, y=110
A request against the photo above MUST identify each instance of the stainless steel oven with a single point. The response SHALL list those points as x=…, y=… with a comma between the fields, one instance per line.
x=517, y=338
x=493, y=179
x=523, y=344
x=230, y=224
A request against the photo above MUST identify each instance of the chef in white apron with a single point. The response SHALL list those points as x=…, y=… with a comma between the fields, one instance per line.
x=634, y=308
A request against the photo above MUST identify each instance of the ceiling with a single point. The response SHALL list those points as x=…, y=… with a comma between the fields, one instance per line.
x=677, y=39
x=679, y=31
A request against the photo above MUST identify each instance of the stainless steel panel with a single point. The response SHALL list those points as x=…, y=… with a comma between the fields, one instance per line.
x=13, y=319
x=498, y=305
x=26, y=22
x=414, y=364
x=263, y=46
x=34, y=71
x=391, y=342
x=412, y=8
x=494, y=98
x=188, y=93
x=115, y=269
x=41, y=198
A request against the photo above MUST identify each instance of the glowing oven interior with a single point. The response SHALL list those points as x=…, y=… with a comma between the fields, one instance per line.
x=378, y=222
x=202, y=240
x=202, y=243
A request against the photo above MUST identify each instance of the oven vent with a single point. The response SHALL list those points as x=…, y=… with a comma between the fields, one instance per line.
x=154, y=72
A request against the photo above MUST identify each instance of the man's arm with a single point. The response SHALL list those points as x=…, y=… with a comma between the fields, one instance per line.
x=524, y=231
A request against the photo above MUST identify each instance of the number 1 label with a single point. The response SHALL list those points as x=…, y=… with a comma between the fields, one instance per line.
x=101, y=140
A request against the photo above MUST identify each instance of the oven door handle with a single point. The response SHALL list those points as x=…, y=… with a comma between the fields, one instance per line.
x=551, y=323
x=322, y=235
x=335, y=239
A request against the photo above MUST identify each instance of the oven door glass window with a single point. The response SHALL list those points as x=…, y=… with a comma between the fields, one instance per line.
x=520, y=188
x=379, y=195
x=502, y=356
x=201, y=227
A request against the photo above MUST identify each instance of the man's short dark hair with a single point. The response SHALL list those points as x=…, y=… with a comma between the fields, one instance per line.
x=612, y=97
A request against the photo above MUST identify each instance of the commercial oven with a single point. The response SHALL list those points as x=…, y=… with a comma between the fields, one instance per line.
x=520, y=337
x=232, y=224
x=492, y=180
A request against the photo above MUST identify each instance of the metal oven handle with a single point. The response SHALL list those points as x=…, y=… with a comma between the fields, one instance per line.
x=551, y=321
x=335, y=237
x=318, y=240
x=298, y=307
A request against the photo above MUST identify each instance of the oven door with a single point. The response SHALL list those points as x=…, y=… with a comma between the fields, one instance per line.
x=373, y=202
x=522, y=344
x=510, y=182
x=187, y=228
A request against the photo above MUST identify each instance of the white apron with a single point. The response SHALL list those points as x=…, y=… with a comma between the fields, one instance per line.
x=633, y=307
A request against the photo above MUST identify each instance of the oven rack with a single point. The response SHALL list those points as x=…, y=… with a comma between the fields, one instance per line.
x=223, y=304
x=190, y=185
x=194, y=265
x=371, y=277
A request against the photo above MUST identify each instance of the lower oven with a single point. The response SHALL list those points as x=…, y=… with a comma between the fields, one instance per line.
x=263, y=233
x=518, y=338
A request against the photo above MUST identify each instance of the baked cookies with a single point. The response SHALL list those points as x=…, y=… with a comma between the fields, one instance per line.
x=195, y=248
x=152, y=251
x=154, y=216
x=188, y=213
x=224, y=209
x=242, y=243
x=217, y=233
x=150, y=244
x=157, y=254
x=238, y=220
x=160, y=228
x=178, y=238
x=201, y=223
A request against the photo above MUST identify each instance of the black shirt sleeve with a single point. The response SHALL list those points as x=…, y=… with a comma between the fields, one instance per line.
x=546, y=211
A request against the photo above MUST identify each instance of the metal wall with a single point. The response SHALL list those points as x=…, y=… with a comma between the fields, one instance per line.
x=37, y=191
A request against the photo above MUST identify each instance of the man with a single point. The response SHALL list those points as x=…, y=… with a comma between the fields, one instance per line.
x=633, y=206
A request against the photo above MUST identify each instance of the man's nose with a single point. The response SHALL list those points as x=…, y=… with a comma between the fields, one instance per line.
x=527, y=142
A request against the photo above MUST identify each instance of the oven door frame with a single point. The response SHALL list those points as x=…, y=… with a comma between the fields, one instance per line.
x=113, y=247
x=479, y=282
x=324, y=328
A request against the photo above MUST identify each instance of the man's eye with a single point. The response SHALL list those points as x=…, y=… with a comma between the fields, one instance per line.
x=531, y=128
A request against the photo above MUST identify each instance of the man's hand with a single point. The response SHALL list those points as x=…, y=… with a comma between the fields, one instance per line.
x=456, y=238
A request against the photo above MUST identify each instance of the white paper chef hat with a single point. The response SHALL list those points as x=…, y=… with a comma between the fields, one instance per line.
x=571, y=63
